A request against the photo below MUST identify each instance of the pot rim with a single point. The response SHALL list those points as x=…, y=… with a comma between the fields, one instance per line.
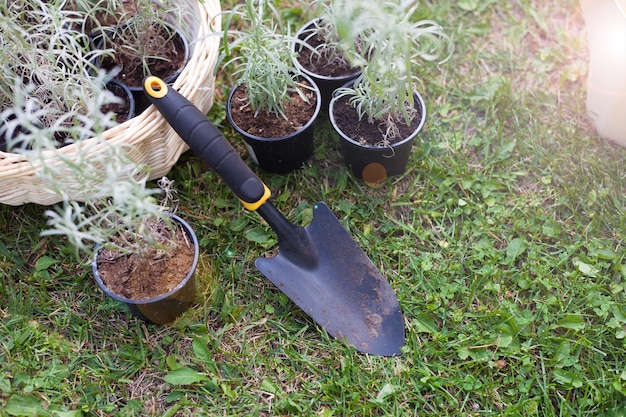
x=318, y=107
x=412, y=136
x=190, y=233
x=129, y=96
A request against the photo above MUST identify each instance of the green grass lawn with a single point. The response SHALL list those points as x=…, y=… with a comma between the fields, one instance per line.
x=504, y=242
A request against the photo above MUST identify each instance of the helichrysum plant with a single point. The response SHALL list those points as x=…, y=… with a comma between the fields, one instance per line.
x=52, y=91
x=394, y=46
x=43, y=55
x=261, y=52
x=116, y=201
x=342, y=44
x=138, y=38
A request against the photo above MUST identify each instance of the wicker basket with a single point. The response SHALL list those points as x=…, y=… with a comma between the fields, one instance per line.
x=154, y=142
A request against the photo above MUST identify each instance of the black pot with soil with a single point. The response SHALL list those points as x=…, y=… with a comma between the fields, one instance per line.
x=158, y=49
x=363, y=147
x=125, y=109
x=276, y=144
x=327, y=74
x=155, y=289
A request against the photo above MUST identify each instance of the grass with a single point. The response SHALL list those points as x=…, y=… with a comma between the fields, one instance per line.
x=504, y=242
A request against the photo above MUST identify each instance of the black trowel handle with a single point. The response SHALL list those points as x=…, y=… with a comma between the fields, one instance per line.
x=208, y=142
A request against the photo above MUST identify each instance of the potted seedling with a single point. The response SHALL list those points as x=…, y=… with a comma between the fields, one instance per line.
x=48, y=60
x=44, y=58
x=145, y=255
x=146, y=40
x=326, y=52
x=149, y=265
x=380, y=114
x=119, y=214
x=272, y=106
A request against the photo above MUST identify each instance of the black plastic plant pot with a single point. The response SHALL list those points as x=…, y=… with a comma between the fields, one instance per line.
x=326, y=83
x=121, y=90
x=374, y=164
x=167, y=307
x=101, y=41
x=283, y=154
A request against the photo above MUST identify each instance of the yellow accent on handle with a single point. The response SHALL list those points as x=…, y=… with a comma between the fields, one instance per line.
x=155, y=87
x=255, y=205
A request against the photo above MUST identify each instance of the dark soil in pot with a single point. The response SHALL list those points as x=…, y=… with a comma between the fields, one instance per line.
x=168, y=48
x=277, y=145
x=123, y=111
x=369, y=134
x=318, y=65
x=164, y=51
x=327, y=72
x=265, y=125
x=150, y=274
x=105, y=18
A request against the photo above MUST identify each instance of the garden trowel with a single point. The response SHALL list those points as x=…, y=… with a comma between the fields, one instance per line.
x=319, y=267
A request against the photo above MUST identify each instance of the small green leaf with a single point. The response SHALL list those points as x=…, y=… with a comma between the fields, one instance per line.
x=384, y=392
x=591, y=198
x=563, y=355
x=200, y=349
x=505, y=337
x=5, y=385
x=269, y=386
x=184, y=376
x=567, y=378
x=468, y=5
x=618, y=314
x=572, y=321
x=283, y=196
x=515, y=248
x=616, y=288
x=550, y=228
x=23, y=405
x=258, y=235
x=426, y=264
x=345, y=206
x=424, y=323
x=463, y=353
x=504, y=150
x=228, y=391
x=172, y=362
x=606, y=254
x=619, y=387
x=44, y=263
x=238, y=224
x=585, y=268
